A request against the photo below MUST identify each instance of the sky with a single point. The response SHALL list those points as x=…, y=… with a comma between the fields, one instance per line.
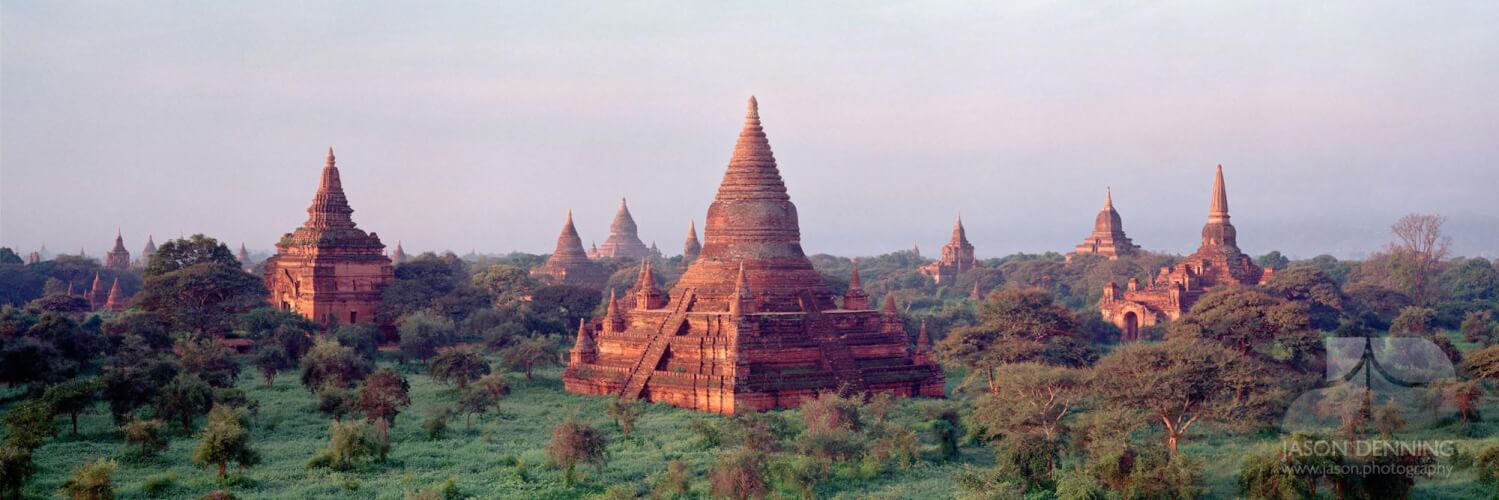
x=476, y=125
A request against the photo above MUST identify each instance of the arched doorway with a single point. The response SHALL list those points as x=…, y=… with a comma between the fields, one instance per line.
x=1131, y=327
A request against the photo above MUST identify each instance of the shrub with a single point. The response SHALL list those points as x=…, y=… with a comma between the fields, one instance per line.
x=574, y=442
x=92, y=481
x=739, y=474
x=436, y=424
x=159, y=484
x=147, y=436
x=15, y=468
x=625, y=413
x=350, y=445
x=674, y=483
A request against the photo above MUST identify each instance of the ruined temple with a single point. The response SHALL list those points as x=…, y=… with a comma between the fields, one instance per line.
x=329, y=270
x=1108, y=237
x=1217, y=261
x=118, y=257
x=624, y=240
x=569, y=264
x=957, y=257
x=750, y=325
x=691, y=248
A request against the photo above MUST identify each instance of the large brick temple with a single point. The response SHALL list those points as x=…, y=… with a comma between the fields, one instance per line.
x=957, y=257
x=329, y=270
x=1107, y=238
x=1217, y=261
x=624, y=237
x=750, y=325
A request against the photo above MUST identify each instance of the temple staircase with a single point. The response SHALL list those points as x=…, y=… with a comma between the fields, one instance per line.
x=840, y=358
x=646, y=365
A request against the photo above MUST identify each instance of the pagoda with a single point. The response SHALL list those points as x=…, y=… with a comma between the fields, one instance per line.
x=243, y=256
x=569, y=264
x=1217, y=262
x=148, y=251
x=116, y=300
x=398, y=256
x=328, y=270
x=98, y=296
x=691, y=248
x=1108, y=237
x=957, y=257
x=118, y=257
x=750, y=325
x=624, y=240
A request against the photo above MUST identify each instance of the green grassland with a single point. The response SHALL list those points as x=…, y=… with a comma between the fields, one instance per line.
x=504, y=456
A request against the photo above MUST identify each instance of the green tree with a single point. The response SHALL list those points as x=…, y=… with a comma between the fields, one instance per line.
x=625, y=413
x=473, y=401
x=1179, y=383
x=183, y=399
x=209, y=359
x=225, y=439
x=74, y=397
x=15, y=468
x=363, y=339
x=350, y=445
x=1417, y=252
x=1414, y=321
x=149, y=436
x=271, y=358
x=530, y=353
x=1035, y=399
x=1253, y=324
x=336, y=402
x=1016, y=326
x=198, y=285
x=1310, y=285
x=1273, y=260
x=1478, y=327
x=574, y=442
x=458, y=366
x=328, y=364
x=28, y=424
x=422, y=334
x=92, y=481
x=507, y=284
x=739, y=474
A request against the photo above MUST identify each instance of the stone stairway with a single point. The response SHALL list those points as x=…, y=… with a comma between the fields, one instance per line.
x=840, y=358
x=646, y=365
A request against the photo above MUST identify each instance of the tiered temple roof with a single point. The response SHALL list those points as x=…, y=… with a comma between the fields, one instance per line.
x=750, y=324
x=1107, y=238
x=118, y=257
x=1217, y=261
x=329, y=269
x=569, y=264
x=957, y=257
x=624, y=240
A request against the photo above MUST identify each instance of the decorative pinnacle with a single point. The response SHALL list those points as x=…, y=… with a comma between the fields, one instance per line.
x=330, y=156
x=754, y=108
x=1108, y=197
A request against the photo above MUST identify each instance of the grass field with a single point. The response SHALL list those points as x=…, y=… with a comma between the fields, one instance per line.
x=504, y=456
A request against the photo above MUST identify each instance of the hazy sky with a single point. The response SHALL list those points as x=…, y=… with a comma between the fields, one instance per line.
x=476, y=125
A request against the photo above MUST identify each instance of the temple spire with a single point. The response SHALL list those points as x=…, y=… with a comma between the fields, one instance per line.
x=1218, y=210
x=116, y=300
x=890, y=304
x=584, y=349
x=740, y=303
x=330, y=208
x=855, y=299
x=1108, y=198
x=691, y=248
x=959, y=235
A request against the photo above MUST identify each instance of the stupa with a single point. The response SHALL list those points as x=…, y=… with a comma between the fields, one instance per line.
x=691, y=248
x=957, y=257
x=624, y=238
x=1107, y=238
x=118, y=257
x=569, y=264
x=750, y=325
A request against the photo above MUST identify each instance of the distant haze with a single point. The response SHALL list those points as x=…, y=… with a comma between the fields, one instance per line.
x=476, y=125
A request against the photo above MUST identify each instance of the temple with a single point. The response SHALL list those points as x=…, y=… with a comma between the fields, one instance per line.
x=398, y=256
x=623, y=238
x=115, y=302
x=750, y=325
x=1108, y=237
x=328, y=270
x=98, y=296
x=957, y=257
x=243, y=256
x=1218, y=261
x=691, y=248
x=118, y=258
x=569, y=264
x=148, y=251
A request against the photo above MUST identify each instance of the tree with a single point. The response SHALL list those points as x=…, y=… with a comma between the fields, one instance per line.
x=1253, y=324
x=328, y=364
x=560, y=305
x=1482, y=364
x=495, y=384
x=270, y=358
x=147, y=435
x=184, y=398
x=381, y=398
x=1474, y=281
x=28, y=424
x=422, y=334
x=1273, y=260
x=474, y=400
x=92, y=481
x=15, y=467
x=1034, y=399
x=507, y=284
x=530, y=353
x=363, y=339
x=1179, y=383
x=134, y=376
x=739, y=474
x=625, y=413
x=459, y=366
x=350, y=445
x=1418, y=250
x=209, y=359
x=1016, y=326
x=574, y=442
x=74, y=397
x=336, y=402
x=436, y=424
x=198, y=285
x=225, y=439
x=1310, y=285
x=1414, y=322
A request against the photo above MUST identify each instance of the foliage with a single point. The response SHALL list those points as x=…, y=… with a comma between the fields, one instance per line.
x=625, y=413
x=74, y=397
x=739, y=474
x=436, y=425
x=184, y=398
x=422, y=334
x=209, y=359
x=383, y=395
x=458, y=366
x=28, y=424
x=1254, y=324
x=329, y=364
x=148, y=436
x=475, y=400
x=574, y=442
x=197, y=285
x=225, y=439
x=16, y=467
x=93, y=481
x=528, y=354
x=1033, y=398
x=350, y=445
x=507, y=284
